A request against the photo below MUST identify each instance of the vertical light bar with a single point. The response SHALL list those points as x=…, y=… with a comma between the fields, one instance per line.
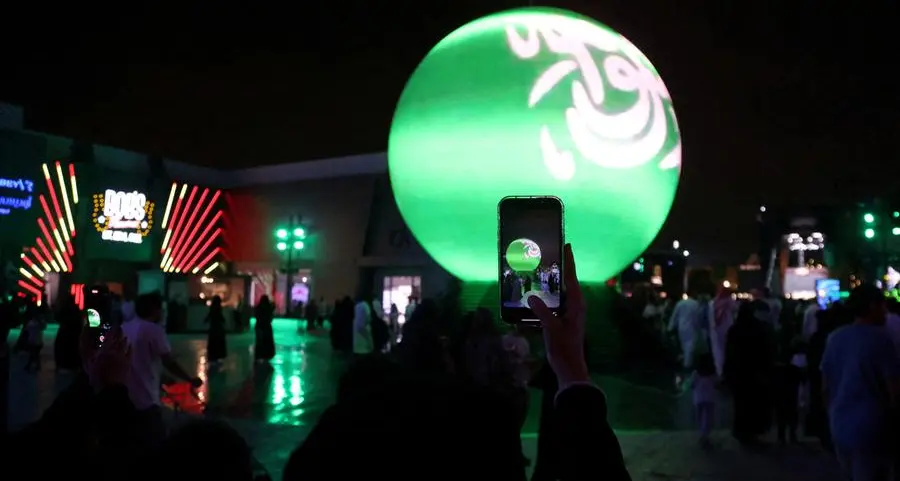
x=37, y=255
x=206, y=245
x=59, y=257
x=37, y=270
x=169, y=204
x=190, y=222
x=200, y=238
x=174, y=216
x=197, y=225
x=165, y=259
x=59, y=215
x=28, y=287
x=202, y=264
x=65, y=196
x=47, y=253
x=52, y=224
x=74, y=184
x=37, y=282
x=180, y=226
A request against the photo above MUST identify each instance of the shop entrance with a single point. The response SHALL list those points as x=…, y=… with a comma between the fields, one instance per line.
x=397, y=290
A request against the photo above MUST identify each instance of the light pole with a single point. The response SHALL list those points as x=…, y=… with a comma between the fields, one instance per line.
x=289, y=241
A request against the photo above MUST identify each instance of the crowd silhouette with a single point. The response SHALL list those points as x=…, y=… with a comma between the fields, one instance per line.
x=441, y=405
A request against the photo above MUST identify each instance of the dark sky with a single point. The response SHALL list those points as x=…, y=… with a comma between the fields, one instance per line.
x=779, y=102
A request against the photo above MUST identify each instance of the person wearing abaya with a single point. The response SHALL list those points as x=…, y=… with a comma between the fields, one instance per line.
x=749, y=360
x=342, y=325
x=380, y=331
x=265, y=339
x=66, y=346
x=312, y=314
x=722, y=318
x=216, y=345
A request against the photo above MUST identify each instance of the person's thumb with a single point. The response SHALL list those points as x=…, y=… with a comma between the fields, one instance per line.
x=543, y=313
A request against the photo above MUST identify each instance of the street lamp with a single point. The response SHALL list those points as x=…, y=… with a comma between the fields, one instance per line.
x=289, y=241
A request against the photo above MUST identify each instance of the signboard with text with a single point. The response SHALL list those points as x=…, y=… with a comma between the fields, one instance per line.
x=119, y=220
x=15, y=195
x=21, y=184
x=123, y=216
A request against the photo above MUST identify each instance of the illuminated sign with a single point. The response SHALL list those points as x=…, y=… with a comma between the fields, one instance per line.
x=15, y=194
x=534, y=101
x=123, y=216
x=192, y=230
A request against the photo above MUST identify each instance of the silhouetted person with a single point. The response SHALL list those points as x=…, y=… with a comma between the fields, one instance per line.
x=216, y=344
x=265, y=338
x=65, y=348
x=749, y=360
x=312, y=314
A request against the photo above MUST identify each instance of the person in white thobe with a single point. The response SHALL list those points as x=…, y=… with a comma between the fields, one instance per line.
x=810, y=321
x=684, y=321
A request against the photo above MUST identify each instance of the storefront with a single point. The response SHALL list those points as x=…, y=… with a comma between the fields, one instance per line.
x=75, y=214
x=356, y=240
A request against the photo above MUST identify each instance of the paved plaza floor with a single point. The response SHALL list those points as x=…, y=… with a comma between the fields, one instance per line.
x=275, y=406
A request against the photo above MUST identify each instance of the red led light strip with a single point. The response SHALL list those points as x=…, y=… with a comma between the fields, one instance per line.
x=183, y=250
x=77, y=292
x=53, y=249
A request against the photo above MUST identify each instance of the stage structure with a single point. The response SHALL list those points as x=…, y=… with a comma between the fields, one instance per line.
x=193, y=230
x=52, y=250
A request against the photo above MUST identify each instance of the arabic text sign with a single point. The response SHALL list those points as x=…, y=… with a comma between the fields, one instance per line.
x=15, y=194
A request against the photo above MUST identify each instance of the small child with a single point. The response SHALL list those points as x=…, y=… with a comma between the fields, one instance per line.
x=703, y=384
x=35, y=334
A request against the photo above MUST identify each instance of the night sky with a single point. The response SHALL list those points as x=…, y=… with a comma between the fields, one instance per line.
x=786, y=103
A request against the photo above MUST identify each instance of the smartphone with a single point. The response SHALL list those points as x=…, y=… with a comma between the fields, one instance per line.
x=97, y=313
x=530, y=245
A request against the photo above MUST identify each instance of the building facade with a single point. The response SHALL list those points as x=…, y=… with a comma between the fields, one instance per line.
x=157, y=210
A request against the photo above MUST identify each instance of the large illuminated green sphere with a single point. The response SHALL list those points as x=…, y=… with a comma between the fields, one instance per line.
x=523, y=255
x=535, y=101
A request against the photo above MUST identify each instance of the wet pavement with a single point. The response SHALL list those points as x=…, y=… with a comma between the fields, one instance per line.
x=274, y=407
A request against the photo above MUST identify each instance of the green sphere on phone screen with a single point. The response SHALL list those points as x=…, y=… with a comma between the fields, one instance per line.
x=93, y=318
x=526, y=102
x=523, y=255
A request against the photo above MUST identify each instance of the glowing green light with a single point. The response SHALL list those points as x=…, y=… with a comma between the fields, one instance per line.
x=534, y=101
x=281, y=246
x=93, y=318
x=281, y=233
x=299, y=232
x=298, y=245
x=895, y=231
x=897, y=214
x=523, y=255
x=869, y=233
x=868, y=218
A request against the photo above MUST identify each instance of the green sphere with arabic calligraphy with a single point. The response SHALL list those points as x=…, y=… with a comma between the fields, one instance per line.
x=535, y=101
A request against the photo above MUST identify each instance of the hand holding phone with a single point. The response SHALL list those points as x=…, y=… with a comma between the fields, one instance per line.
x=530, y=242
x=564, y=331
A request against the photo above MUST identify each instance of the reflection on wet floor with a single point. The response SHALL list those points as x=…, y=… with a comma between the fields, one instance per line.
x=300, y=383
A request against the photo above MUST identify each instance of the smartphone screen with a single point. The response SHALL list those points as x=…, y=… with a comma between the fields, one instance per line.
x=97, y=310
x=530, y=251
